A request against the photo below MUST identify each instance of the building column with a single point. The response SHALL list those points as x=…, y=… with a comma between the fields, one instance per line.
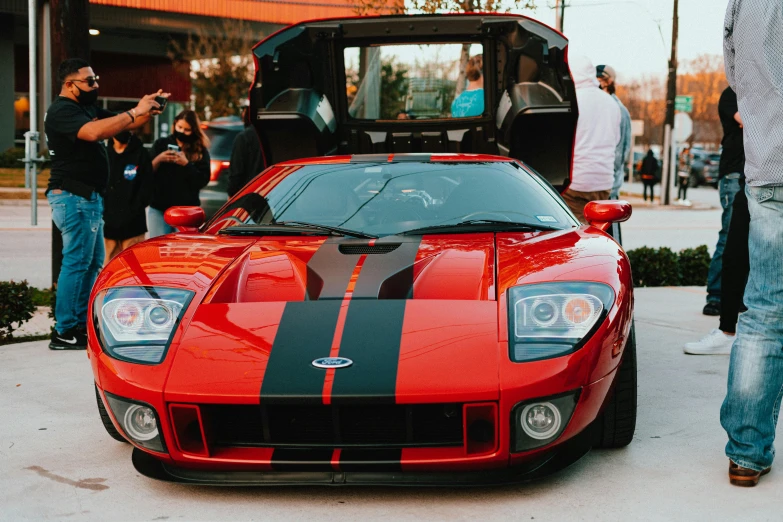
x=7, y=115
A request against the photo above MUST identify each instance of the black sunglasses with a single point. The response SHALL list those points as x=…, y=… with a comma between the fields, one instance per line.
x=91, y=80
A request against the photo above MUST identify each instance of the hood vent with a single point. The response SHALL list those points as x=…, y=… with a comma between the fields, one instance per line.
x=354, y=250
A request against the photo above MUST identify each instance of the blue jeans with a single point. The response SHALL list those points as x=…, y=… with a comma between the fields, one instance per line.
x=155, y=223
x=728, y=189
x=750, y=411
x=81, y=224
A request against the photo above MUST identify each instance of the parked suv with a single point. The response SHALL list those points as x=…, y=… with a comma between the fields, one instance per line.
x=704, y=168
x=221, y=133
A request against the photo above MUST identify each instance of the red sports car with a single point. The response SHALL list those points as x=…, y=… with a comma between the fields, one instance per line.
x=422, y=308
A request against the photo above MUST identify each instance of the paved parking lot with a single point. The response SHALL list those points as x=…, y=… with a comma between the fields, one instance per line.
x=58, y=464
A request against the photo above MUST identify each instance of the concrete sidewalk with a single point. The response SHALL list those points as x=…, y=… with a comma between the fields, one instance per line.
x=59, y=464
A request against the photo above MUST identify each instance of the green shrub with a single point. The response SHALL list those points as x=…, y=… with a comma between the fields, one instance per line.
x=654, y=267
x=10, y=158
x=16, y=306
x=694, y=266
x=43, y=297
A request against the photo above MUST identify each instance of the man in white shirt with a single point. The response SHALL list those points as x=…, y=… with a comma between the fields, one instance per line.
x=597, y=136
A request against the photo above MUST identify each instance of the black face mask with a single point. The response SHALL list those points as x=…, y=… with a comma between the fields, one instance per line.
x=123, y=137
x=185, y=138
x=87, y=97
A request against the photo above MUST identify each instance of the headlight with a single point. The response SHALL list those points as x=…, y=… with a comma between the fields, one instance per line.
x=538, y=422
x=139, y=421
x=552, y=319
x=135, y=323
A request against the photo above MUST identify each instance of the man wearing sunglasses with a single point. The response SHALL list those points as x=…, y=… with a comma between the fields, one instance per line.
x=75, y=128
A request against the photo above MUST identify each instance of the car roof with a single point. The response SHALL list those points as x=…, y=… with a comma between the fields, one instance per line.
x=396, y=158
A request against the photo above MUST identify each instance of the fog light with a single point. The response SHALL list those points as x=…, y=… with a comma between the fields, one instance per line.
x=141, y=423
x=540, y=420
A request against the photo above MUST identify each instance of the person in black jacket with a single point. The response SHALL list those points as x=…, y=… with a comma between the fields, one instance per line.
x=247, y=160
x=181, y=165
x=649, y=172
x=127, y=194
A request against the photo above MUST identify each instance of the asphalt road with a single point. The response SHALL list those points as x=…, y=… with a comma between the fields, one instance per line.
x=58, y=464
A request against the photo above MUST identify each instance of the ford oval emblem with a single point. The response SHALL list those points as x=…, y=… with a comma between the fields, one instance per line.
x=332, y=362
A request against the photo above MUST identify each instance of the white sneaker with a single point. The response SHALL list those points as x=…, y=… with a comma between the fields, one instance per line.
x=687, y=203
x=714, y=343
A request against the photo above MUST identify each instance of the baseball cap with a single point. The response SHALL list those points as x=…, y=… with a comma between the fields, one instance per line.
x=605, y=71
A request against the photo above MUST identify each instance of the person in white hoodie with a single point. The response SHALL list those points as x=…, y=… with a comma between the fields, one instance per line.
x=597, y=136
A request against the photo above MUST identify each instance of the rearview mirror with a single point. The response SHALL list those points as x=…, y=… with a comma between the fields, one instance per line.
x=185, y=219
x=601, y=214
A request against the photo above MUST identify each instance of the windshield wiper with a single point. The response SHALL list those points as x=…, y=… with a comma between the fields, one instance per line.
x=488, y=224
x=291, y=227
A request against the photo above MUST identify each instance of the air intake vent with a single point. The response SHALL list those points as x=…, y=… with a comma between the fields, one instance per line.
x=353, y=250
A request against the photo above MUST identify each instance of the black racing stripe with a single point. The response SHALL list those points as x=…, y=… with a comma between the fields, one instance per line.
x=388, y=276
x=371, y=460
x=329, y=272
x=371, y=339
x=305, y=333
x=302, y=459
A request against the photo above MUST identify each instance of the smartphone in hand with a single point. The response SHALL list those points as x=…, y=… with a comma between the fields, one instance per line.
x=173, y=148
x=160, y=100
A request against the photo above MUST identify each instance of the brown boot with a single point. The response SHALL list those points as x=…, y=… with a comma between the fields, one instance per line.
x=744, y=477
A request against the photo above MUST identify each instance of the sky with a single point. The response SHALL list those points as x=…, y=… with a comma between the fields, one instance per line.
x=625, y=35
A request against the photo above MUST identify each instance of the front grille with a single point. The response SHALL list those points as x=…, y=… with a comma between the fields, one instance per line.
x=382, y=425
x=367, y=249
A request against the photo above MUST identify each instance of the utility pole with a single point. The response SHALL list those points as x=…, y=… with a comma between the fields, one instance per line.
x=70, y=38
x=560, y=6
x=671, y=93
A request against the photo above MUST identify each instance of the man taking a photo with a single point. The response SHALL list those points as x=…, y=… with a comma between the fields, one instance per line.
x=74, y=128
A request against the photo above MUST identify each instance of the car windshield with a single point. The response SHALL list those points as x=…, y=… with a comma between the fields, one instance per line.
x=380, y=199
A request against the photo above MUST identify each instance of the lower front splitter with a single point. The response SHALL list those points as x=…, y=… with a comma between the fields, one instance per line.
x=565, y=455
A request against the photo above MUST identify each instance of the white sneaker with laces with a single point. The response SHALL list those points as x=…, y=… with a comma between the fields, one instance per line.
x=714, y=343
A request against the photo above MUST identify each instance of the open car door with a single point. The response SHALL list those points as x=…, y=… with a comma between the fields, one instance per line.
x=393, y=84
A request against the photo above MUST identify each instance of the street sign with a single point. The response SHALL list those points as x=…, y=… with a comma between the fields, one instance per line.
x=683, y=127
x=683, y=103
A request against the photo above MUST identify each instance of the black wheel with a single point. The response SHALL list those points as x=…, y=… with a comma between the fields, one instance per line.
x=106, y=420
x=617, y=423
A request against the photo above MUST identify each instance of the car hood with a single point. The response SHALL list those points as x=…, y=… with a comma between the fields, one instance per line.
x=399, y=308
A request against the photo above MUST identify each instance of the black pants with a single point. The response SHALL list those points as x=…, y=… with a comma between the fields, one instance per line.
x=682, y=191
x=736, y=263
x=648, y=184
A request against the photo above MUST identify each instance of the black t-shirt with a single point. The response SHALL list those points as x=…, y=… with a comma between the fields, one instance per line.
x=72, y=158
x=732, y=159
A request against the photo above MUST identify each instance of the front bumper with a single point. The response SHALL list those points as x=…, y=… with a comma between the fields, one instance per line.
x=545, y=464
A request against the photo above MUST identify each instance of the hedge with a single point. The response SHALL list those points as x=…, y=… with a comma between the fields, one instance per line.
x=10, y=158
x=663, y=267
x=16, y=306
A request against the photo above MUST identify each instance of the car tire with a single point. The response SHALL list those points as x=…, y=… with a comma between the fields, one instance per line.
x=106, y=419
x=617, y=423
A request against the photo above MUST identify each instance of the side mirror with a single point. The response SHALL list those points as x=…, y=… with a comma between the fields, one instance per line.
x=601, y=214
x=185, y=219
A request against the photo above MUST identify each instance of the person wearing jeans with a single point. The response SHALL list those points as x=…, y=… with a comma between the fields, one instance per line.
x=74, y=127
x=732, y=167
x=750, y=411
x=80, y=222
x=752, y=46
